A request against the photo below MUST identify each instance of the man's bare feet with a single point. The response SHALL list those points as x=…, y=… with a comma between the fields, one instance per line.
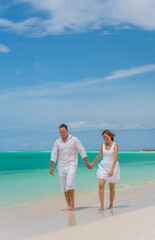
x=69, y=208
x=72, y=205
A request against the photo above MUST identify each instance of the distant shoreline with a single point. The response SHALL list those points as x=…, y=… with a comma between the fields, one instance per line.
x=130, y=151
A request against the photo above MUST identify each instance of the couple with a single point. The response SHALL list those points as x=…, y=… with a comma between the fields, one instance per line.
x=66, y=149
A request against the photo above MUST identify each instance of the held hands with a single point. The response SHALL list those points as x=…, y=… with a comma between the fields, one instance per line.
x=92, y=165
x=89, y=166
x=87, y=163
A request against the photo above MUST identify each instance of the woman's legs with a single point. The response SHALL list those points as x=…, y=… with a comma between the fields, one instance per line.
x=101, y=193
x=112, y=194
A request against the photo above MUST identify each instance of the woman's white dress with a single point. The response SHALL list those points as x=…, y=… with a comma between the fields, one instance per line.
x=105, y=166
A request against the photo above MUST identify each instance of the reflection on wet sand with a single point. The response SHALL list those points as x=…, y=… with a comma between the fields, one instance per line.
x=111, y=211
x=71, y=215
x=71, y=219
x=102, y=214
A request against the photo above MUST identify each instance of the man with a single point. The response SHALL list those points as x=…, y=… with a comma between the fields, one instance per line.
x=66, y=149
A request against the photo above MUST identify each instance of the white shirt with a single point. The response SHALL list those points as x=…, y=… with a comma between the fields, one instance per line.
x=67, y=152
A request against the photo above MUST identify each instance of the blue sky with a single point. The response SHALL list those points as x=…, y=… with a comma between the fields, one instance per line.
x=90, y=64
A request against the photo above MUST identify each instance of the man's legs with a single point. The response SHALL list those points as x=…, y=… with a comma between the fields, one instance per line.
x=69, y=195
x=62, y=179
x=71, y=192
x=67, y=182
x=70, y=185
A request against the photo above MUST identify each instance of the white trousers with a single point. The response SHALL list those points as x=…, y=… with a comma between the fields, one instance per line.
x=67, y=178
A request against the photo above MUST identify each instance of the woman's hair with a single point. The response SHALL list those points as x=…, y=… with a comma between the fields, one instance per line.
x=109, y=133
x=63, y=126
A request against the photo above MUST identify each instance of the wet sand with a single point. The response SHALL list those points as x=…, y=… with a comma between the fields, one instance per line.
x=134, y=209
x=138, y=224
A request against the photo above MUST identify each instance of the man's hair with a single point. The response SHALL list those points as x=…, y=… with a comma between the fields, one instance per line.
x=63, y=126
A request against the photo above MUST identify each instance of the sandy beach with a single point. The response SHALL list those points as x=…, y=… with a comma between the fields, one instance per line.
x=138, y=224
x=132, y=215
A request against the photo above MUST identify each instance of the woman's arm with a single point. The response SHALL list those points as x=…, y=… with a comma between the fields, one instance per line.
x=115, y=160
x=98, y=156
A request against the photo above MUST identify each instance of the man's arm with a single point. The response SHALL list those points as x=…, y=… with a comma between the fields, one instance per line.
x=83, y=154
x=54, y=156
x=52, y=168
x=89, y=166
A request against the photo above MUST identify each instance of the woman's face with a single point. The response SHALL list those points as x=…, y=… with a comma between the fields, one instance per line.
x=106, y=138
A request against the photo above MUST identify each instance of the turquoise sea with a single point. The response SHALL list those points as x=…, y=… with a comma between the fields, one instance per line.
x=25, y=177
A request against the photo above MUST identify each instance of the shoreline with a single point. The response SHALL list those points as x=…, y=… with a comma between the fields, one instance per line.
x=39, y=219
x=88, y=151
x=77, y=195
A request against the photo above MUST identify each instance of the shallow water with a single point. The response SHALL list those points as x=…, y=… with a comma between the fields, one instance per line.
x=25, y=177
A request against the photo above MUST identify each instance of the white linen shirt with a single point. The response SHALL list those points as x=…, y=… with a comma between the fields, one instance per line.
x=67, y=152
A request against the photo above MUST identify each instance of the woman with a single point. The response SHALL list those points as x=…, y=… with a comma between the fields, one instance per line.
x=108, y=169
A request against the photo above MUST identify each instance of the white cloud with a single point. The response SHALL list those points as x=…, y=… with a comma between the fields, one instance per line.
x=138, y=13
x=68, y=16
x=118, y=74
x=85, y=125
x=27, y=26
x=114, y=112
x=54, y=89
x=133, y=126
x=36, y=91
x=131, y=72
x=4, y=48
x=104, y=33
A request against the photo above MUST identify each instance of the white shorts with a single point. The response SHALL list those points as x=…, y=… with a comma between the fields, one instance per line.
x=67, y=178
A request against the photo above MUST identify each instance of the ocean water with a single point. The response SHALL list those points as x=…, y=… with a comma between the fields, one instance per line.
x=25, y=177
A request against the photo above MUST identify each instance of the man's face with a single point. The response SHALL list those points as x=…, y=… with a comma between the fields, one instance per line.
x=63, y=133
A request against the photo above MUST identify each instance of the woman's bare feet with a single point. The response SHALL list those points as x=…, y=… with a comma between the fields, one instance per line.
x=101, y=208
x=67, y=209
